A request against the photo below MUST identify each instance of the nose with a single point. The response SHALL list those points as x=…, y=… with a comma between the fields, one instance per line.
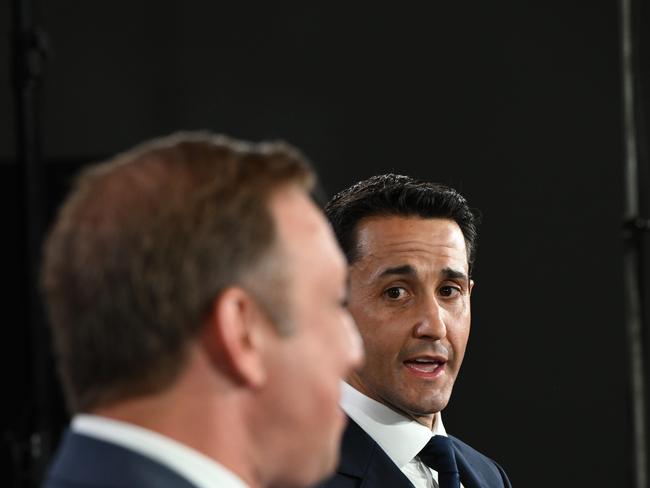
x=430, y=321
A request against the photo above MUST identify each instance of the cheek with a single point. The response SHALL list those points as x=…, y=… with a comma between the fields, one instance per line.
x=377, y=346
x=324, y=361
x=458, y=337
x=322, y=394
x=384, y=331
x=373, y=321
x=313, y=386
x=382, y=345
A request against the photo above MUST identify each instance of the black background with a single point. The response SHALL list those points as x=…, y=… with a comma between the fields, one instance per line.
x=516, y=104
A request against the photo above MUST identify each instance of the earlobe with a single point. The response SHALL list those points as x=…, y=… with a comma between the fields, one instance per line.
x=234, y=337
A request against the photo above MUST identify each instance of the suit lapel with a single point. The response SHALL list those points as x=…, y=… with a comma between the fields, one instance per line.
x=469, y=477
x=361, y=457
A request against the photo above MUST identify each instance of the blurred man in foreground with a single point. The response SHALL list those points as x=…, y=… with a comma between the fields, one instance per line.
x=196, y=297
x=411, y=246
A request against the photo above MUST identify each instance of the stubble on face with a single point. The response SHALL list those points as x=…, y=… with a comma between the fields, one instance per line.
x=409, y=294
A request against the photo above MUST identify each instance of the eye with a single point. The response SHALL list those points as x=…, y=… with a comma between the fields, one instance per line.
x=449, y=291
x=395, y=293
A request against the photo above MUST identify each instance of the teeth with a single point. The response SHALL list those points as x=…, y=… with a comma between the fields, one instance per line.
x=424, y=366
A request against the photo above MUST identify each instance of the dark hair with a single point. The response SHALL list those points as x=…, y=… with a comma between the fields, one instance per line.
x=143, y=245
x=400, y=195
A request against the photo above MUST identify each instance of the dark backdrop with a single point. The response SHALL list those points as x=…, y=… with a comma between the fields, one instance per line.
x=515, y=103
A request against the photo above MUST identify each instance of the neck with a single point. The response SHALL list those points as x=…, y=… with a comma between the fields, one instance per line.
x=200, y=411
x=428, y=420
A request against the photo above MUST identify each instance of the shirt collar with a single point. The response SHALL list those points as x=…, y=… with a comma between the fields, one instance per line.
x=401, y=438
x=201, y=470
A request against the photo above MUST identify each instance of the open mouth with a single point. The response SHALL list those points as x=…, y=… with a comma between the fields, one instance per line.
x=428, y=367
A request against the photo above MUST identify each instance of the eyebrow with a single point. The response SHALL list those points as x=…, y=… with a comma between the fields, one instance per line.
x=405, y=269
x=454, y=274
x=408, y=270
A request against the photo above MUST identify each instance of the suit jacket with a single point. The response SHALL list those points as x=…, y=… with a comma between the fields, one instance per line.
x=364, y=464
x=83, y=461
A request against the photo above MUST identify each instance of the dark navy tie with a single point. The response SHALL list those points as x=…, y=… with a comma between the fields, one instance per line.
x=439, y=455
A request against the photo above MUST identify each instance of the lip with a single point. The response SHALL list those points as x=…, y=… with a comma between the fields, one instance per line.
x=437, y=372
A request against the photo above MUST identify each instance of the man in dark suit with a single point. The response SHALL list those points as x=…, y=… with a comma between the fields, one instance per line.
x=195, y=295
x=410, y=245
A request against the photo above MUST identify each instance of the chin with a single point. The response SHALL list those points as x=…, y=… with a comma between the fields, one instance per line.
x=429, y=406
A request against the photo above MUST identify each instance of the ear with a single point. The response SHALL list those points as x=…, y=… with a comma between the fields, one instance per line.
x=471, y=286
x=235, y=337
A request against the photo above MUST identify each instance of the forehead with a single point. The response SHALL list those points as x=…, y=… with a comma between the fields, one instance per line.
x=392, y=240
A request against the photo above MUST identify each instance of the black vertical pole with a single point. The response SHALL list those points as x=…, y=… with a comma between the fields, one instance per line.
x=635, y=227
x=28, y=59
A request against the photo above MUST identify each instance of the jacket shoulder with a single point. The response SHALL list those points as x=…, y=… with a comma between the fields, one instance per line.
x=85, y=461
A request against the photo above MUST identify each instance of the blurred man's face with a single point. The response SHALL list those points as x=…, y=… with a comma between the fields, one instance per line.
x=308, y=365
x=410, y=298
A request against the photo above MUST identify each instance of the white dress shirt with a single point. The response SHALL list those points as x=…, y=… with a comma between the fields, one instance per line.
x=198, y=468
x=400, y=438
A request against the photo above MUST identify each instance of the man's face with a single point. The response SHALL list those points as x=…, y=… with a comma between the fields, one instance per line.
x=410, y=298
x=307, y=366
